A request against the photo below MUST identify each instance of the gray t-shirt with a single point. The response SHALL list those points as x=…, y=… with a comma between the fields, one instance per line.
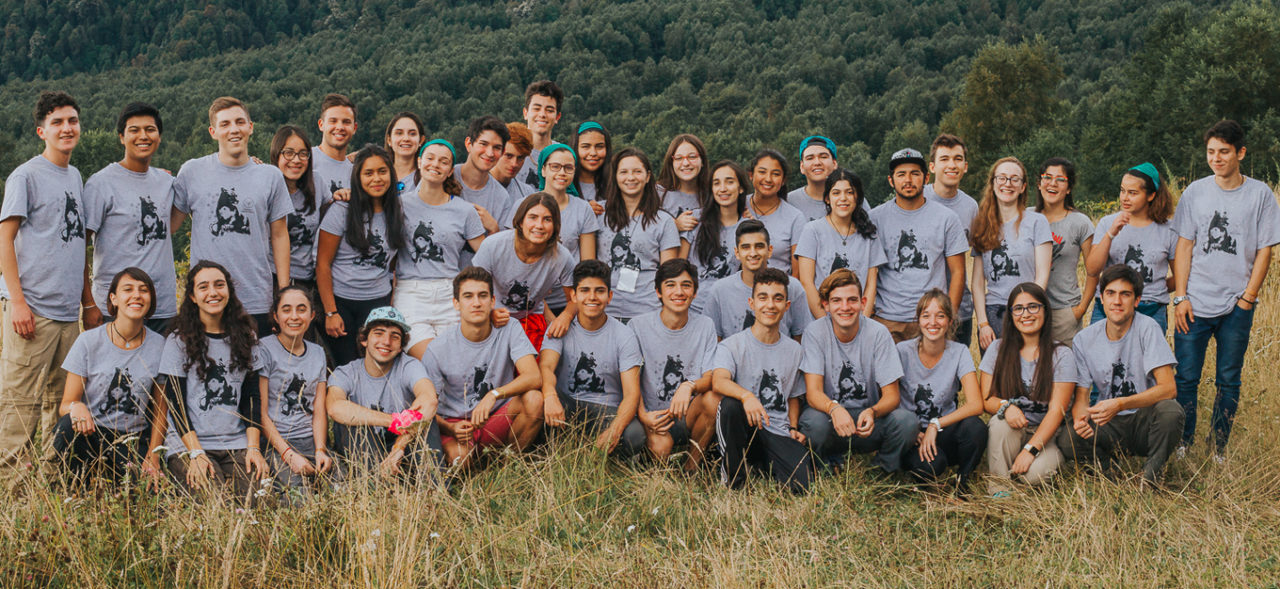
x=1121, y=368
x=812, y=209
x=435, y=236
x=213, y=403
x=671, y=356
x=48, y=199
x=1014, y=260
x=965, y=209
x=303, y=229
x=1228, y=228
x=784, y=225
x=577, y=218
x=916, y=245
x=727, y=305
x=231, y=211
x=1064, y=370
x=359, y=275
x=528, y=174
x=493, y=197
x=588, y=191
x=292, y=382
x=519, y=287
x=592, y=362
x=464, y=371
x=1069, y=235
x=770, y=371
x=117, y=382
x=830, y=251
x=517, y=191
x=853, y=372
x=722, y=265
x=638, y=245
x=931, y=392
x=128, y=213
x=677, y=202
x=329, y=175
x=1148, y=250
x=389, y=393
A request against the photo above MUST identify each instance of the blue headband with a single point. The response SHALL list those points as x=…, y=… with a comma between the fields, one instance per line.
x=439, y=142
x=591, y=126
x=1149, y=170
x=546, y=153
x=818, y=140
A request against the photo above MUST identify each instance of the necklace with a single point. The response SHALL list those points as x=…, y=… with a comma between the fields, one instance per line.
x=127, y=340
x=844, y=237
x=760, y=213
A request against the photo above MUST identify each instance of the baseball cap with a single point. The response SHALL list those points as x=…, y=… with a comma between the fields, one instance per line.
x=390, y=315
x=907, y=156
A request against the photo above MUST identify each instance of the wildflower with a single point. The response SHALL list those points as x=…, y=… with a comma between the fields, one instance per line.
x=375, y=533
x=434, y=535
x=654, y=512
x=631, y=528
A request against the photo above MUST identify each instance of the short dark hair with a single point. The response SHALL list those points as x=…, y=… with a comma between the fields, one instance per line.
x=750, y=226
x=946, y=140
x=772, y=276
x=332, y=100
x=488, y=123
x=138, y=109
x=279, y=295
x=1123, y=272
x=51, y=100
x=838, y=279
x=1228, y=131
x=544, y=88
x=1068, y=170
x=673, y=268
x=592, y=269
x=137, y=274
x=474, y=273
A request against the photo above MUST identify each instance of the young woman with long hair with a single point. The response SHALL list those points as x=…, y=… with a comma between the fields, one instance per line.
x=637, y=235
x=291, y=152
x=711, y=250
x=768, y=203
x=1072, y=231
x=404, y=135
x=593, y=145
x=844, y=238
x=685, y=181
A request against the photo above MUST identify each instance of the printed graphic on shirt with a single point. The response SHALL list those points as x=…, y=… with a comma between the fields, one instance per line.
x=620, y=253
x=838, y=262
x=150, y=224
x=334, y=187
x=1119, y=386
x=1031, y=407
x=585, y=379
x=217, y=391
x=909, y=254
x=925, y=408
x=291, y=400
x=424, y=245
x=1001, y=264
x=769, y=391
x=1133, y=259
x=479, y=386
x=517, y=297
x=227, y=217
x=376, y=255
x=1058, y=243
x=299, y=234
x=672, y=376
x=120, y=394
x=748, y=320
x=848, y=387
x=74, y=226
x=1219, y=239
x=719, y=266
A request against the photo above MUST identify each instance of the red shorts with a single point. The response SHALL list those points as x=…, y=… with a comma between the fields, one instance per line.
x=535, y=326
x=493, y=433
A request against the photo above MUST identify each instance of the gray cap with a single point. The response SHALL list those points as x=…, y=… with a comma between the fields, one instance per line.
x=907, y=156
x=388, y=315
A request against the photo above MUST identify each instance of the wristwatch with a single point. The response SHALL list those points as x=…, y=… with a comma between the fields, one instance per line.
x=1034, y=451
x=1178, y=300
x=935, y=423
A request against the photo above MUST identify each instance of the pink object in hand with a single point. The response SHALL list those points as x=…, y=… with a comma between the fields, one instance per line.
x=401, y=422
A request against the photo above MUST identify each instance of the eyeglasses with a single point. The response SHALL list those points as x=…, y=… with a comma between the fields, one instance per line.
x=1030, y=308
x=1050, y=178
x=295, y=154
x=557, y=168
x=1012, y=180
x=679, y=159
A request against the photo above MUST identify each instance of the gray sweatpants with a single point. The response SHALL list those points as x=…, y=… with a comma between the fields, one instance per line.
x=1150, y=431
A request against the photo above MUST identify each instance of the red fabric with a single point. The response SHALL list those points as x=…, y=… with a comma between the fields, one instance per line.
x=535, y=326
x=493, y=433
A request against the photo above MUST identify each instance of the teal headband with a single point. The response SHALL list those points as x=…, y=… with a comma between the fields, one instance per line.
x=546, y=153
x=439, y=142
x=1148, y=170
x=818, y=140
x=591, y=126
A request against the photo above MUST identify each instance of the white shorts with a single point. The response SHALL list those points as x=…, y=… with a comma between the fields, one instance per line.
x=428, y=305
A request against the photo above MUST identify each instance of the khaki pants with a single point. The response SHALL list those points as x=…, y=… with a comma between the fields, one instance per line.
x=1003, y=445
x=31, y=383
x=1065, y=325
x=900, y=330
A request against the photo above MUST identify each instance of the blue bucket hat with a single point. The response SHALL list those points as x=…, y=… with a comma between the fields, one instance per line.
x=390, y=315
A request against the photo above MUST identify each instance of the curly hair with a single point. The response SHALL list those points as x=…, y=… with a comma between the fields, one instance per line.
x=238, y=326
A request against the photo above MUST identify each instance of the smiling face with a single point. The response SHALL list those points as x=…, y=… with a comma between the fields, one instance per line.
x=907, y=180
x=816, y=163
x=934, y=322
x=949, y=166
x=484, y=151
x=686, y=162
x=1010, y=183
x=725, y=188
x=631, y=175
x=293, y=314
x=1054, y=187
x=293, y=158
x=537, y=225
x=375, y=176
x=753, y=251
x=766, y=177
x=843, y=199
x=844, y=305
x=61, y=129
x=509, y=164
x=131, y=298
x=541, y=114
x=1224, y=159
x=141, y=137
x=404, y=139
x=769, y=303
x=384, y=343
x=591, y=150
x=1031, y=319
x=338, y=126
x=676, y=293
x=558, y=170
x=1134, y=198
x=210, y=291
x=435, y=164
x=474, y=302
x=232, y=129
x=591, y=296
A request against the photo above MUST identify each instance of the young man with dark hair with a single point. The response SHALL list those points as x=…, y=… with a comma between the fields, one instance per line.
x=757, y=371
x=948, y=162
x=126, y=214
x=238, y=211
x=851, y=370
x=486, y=138
x=1227, y=224
x=1127, y=360
x=331, y=171
x=676, y=405
x=45, y=283
x=817, y=161
x=924, y=243
x=542, y=110
x=591, y=376
x=728, y=299
x=487, y=377
x=381, y=401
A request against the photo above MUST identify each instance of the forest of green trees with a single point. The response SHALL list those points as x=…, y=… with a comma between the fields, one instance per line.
x=1108, y=83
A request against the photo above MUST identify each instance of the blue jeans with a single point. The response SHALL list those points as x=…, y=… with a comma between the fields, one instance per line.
x=1231, y=331
x=1154, y=310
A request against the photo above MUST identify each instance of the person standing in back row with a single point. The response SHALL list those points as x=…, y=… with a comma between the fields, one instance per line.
x=948, y=162
x=332, y=169
x=542, y=102
x=817, y=161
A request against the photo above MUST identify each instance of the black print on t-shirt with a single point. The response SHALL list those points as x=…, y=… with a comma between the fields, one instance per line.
x=748, y=320
x=291, y=401
x=1219, y=238
x=424, y=245
x=848, y=388
x=150, y=223
x=299, y=234
x=479, y=387
x=1032, y=407
x=770, y=391
x=1133, y=259
x=1001, y=264
x=672, y=376
x=1119, y=386
x=924, y=403
x=72, y=225
x=532, y=178
x=120, y=395
x=376, y=255
x=227, y=217
x=334, y=187
x=838, y=262
x=517, y=298
x=620, y=253
x=909, y=254
x=585, y=379
x=719, y=265
x=217, y=391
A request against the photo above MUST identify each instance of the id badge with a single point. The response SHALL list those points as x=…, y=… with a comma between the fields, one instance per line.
x=627, y=277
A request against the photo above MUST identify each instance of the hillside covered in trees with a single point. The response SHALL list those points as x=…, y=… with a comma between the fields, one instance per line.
x=1108, y=83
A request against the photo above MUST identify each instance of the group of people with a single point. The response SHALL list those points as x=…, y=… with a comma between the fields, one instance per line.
x=398, y=308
